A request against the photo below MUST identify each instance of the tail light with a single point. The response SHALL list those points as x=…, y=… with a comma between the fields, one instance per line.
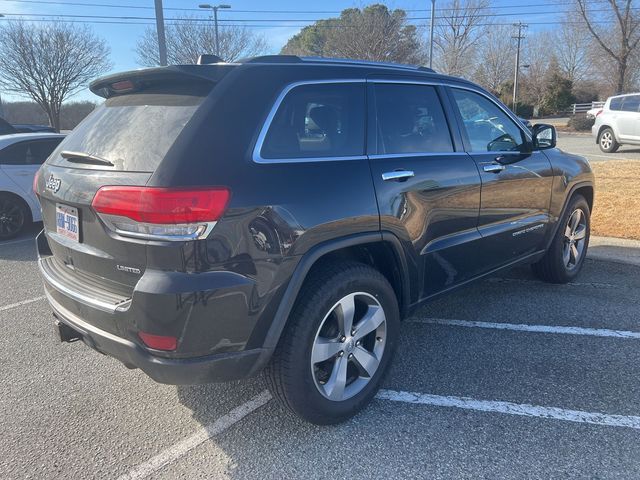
x=161, y=213
x=599, y=112
x=36, y=177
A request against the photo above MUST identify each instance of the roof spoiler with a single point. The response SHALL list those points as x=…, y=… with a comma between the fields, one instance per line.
x=136, y=80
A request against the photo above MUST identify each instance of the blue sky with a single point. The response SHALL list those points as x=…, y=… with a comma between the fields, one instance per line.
x=122, y=38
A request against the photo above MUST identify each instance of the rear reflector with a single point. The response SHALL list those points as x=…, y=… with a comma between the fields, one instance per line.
x=161, y=213
x=158, y=342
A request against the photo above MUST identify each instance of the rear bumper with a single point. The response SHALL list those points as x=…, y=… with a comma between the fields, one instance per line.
x=187, y=371
x=158, y=305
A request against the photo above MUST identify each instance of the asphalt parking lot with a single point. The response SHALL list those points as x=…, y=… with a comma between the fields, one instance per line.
x=485, y=384
x=584, y=144
x=508, y=378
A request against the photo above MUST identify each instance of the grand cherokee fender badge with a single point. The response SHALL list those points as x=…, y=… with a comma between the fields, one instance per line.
x=53, y=184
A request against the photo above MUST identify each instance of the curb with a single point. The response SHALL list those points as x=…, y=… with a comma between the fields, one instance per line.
x=618, y=250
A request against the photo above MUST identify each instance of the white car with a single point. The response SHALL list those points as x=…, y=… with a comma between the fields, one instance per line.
x=21, y=155
x=618, y=123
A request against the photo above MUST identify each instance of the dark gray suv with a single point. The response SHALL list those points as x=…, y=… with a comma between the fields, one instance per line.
x=209, y=222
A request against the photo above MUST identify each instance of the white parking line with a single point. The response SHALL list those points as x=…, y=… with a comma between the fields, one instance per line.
x=519, y=327
x=179, y=449
x=23, y=302
x=522, y=409
x=30, y=239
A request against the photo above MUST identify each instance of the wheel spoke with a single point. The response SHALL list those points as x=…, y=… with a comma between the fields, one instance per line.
x=324, y=349
x=371, y=321
x=574, y=254
x=366, y=361
x=337, y=382
x=575, y=220
x=345, y=312
x=566, y=254
x=580, y=233
x=567, y=231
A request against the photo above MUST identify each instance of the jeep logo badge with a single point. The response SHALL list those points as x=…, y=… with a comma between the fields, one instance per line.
x=53, y=184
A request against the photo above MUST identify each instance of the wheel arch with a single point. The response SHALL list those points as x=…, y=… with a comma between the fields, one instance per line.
x=19, y=198
x=585, y=189
x=382, y=250
x=603, y=127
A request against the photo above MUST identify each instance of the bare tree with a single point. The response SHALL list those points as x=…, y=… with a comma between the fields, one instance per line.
x=190, y=38
x=49, y=63
x=495, y=54
x=536, y=48
x=573, y=45
x=621, y=41
x=457, y=34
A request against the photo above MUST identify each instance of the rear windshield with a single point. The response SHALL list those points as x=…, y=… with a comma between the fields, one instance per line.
x=134, y=132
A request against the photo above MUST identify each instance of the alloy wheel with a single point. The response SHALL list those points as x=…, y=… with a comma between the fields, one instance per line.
x=348, y=346
x=606, y=140
x=11, y=217
x=575, y=236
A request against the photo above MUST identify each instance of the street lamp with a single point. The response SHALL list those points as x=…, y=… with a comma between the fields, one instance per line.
x=215, y=9
x=433, y=13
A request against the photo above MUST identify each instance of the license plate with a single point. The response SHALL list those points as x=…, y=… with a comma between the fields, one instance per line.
x=67, y=222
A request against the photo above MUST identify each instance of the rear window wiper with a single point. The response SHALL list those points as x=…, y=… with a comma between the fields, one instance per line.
x=79, y=157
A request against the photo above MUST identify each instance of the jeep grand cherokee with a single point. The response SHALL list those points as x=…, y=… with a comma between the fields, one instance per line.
x=283, y=214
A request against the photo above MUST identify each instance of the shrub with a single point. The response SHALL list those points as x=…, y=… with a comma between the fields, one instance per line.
x=581, y=123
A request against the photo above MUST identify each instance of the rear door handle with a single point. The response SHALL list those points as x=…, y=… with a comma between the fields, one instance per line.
x=398, y=175
x=494, y=168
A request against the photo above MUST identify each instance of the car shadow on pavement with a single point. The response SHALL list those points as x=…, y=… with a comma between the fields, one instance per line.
x=22, y=248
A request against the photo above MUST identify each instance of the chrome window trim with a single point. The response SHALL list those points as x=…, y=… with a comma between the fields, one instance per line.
x=383, y=156
x=257, y=150
x=445, y=83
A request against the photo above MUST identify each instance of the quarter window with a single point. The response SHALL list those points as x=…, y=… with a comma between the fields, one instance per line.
x=631, y=103
x=488, y=127
x=616, y=103
x=316, y=121
x=410, y=120
x=28, y=153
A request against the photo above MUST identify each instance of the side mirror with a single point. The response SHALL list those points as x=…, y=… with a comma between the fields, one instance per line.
x=544, y=136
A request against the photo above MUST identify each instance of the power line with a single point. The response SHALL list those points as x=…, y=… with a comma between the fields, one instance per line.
x=144, y=7
x=262, y=20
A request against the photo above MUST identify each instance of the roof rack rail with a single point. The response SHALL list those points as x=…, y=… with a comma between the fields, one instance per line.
x=344, y=61
x=373, y=63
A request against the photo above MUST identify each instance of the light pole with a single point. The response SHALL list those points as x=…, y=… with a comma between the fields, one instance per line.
x=521, y=26
x=215, y=9
x=433, y=14
x=162, y=41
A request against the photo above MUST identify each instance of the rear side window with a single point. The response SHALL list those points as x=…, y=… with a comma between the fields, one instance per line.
x=34, y=152
x=488, y=127
x=616, y=103
x=631, y=104
x=135, y=131
x=318, y=121
x=410, y=120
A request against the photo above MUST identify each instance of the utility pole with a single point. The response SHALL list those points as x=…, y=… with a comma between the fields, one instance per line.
x=215, y=9
x=433, y=14
x=162, y=41
x=521, y=26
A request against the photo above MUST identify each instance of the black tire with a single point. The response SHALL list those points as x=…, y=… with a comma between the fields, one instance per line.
x=14, y=216
x=552, y=267
x=607, y=141
x=291, y=376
